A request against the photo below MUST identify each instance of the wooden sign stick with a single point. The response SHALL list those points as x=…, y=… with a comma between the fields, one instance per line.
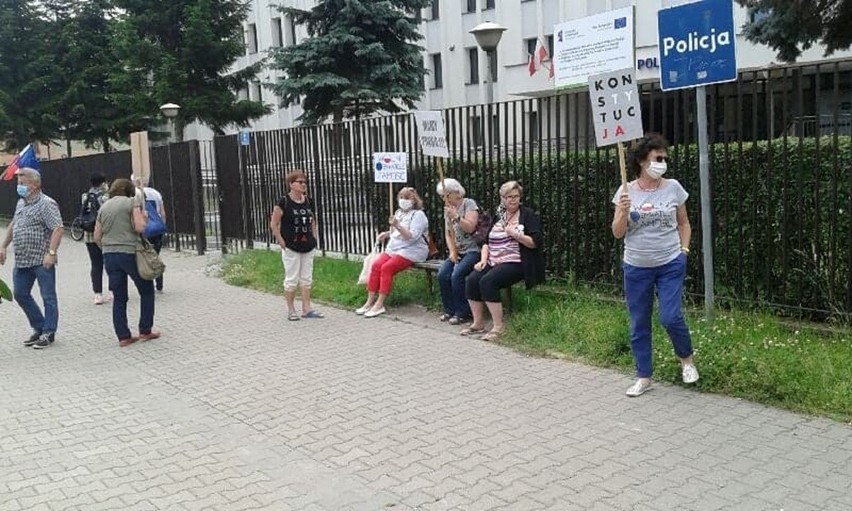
x=623, y=166
x=448, y=227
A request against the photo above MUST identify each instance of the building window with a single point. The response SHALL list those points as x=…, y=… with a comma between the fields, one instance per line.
x=758, y=14
x=243, y=93
x=251, y=38
x=469, y=6
x=277, y=33
x=492, y=57
x=256, y=91
x=437, y=71
x=435, y=12
x=530, y=45
x=476, y=131
x=533, y=127
x=290, y=35
x=550, y=46
x=489, y=4
x=473, y=65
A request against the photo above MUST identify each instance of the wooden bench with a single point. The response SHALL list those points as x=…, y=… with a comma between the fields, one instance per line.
x=431, y=266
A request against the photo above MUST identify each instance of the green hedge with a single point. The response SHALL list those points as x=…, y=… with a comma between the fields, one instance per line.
x=781, y=224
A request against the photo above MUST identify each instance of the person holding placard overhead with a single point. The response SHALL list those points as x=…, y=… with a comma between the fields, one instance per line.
x=651, y=217
x=407, y=245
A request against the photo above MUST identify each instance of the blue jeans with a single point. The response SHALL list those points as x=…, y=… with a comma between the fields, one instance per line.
x=639, y=284
x=119, y=267
x=23, y=280
x=451, y=279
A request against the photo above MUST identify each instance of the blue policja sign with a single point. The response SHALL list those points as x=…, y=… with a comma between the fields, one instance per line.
x=697, y=44
x=245, y=137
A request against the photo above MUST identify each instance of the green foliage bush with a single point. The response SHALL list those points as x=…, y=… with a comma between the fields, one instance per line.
x=781, y=226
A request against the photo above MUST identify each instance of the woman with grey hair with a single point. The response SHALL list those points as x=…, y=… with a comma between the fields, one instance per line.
x=461, y=215
x=512, y=254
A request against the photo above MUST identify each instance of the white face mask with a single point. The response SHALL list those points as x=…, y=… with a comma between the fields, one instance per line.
x=405, y=204
x=656, y=169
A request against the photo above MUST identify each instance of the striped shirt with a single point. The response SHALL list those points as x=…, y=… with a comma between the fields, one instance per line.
x=501, y=247
x=32, y=226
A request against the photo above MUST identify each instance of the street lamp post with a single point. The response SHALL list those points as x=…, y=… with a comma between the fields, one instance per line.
x=488, y=36
x=170, y=111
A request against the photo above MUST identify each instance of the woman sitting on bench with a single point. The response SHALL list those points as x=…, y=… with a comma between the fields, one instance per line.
x=462, y=214
x=512, y=254
x=407, y=245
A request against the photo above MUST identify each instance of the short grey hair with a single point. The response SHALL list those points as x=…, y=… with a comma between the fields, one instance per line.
x=508, y=186
x=450, y=185
x=139, y=180
x=31, y=174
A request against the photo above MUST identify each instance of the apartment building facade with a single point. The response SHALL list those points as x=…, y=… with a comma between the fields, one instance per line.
x=458, y=69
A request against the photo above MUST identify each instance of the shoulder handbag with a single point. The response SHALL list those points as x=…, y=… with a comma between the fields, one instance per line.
x=148, y=262
x=368, y=264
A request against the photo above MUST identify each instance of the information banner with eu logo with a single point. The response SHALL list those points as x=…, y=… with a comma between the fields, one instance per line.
x=697, y=44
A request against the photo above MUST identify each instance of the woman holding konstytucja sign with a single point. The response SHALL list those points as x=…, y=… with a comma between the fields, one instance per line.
x=651, y=217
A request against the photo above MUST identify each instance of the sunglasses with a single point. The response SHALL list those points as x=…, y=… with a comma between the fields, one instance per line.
x=661, y=159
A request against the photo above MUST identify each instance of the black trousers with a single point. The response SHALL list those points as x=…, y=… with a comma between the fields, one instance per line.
x=485, y=285
x=96, y=257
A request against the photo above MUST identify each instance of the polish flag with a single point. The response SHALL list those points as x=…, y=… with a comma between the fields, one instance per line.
x=26, y=158
x=540, y=59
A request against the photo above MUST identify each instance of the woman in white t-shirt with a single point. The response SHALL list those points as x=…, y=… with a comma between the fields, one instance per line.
x=652, y=219
x=406, y=245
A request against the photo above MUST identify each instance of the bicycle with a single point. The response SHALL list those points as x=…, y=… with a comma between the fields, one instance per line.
x=77, y=230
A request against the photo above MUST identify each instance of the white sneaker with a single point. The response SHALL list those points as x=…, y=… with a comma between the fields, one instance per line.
x=638, y=388
x=372, y=313
x=99, y=299
x=362, y=309
x=689, y=373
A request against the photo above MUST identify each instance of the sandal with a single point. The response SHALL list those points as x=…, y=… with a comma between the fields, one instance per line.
x=491, y=336
x=293, y=316
x=444, y=317
x=472, y=330
x=313, y=314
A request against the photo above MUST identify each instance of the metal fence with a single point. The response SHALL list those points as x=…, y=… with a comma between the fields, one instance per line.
x=780, y=160
x=177, y=171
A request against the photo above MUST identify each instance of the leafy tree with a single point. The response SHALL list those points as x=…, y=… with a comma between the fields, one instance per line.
x=360, y=57
x=26, y=76
x=79, y=42
x=180, y=51
x=791, y=26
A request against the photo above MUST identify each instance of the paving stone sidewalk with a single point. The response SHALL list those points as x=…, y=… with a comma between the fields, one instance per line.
x=236, y=408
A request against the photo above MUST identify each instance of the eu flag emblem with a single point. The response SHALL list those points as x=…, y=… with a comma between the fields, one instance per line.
x=621, y=22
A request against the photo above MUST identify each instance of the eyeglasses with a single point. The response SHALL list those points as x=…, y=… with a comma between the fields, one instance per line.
x=300, y=181
x=661, y=159
x=512, y=197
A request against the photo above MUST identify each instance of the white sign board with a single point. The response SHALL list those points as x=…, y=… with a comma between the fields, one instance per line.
x=390, y=167
x=592, y=45
x=431, y=133
x=615, y=107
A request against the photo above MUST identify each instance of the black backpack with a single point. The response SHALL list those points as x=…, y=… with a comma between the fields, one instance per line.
x=483, y=227
x=89, y=211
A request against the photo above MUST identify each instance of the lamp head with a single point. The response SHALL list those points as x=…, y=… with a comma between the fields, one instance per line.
x=488, y=35
x=170, y=110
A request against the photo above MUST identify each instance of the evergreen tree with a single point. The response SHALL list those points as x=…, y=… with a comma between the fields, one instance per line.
x=79, y=42
x=360, y=57
x=26, y=76
x=180, y=51
x=791, y=26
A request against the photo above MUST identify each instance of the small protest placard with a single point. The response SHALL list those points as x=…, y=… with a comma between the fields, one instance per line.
x=615, y=107
x=390, y=167
x=430, y=132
